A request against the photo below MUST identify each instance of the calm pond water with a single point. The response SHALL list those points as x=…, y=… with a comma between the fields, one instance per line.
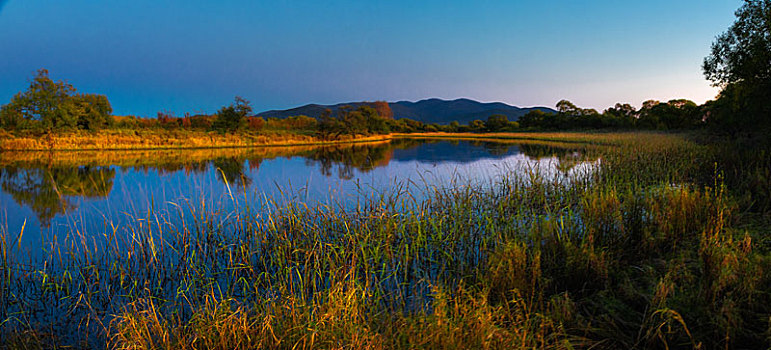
x=52, y=194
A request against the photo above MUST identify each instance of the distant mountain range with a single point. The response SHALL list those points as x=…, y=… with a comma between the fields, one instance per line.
x=432, y=110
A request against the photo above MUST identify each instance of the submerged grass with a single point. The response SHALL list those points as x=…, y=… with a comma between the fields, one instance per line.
x=649, y=250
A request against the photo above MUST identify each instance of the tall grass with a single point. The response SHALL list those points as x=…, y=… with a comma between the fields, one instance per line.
x=641, y=252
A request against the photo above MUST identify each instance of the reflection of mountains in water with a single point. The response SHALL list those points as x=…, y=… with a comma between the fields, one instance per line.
x=451, y=151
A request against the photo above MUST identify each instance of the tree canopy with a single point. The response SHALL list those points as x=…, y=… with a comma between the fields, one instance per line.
x=232, y=117
x=49, y=104
x=740, y=63
x=362, y=121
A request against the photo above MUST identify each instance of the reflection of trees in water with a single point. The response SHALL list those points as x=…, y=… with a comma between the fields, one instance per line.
x=232, y=167
x=47, y=190
x=347, y=159
x=568, y=157
x=412, y=143
x=495, y=148
x=254, y=163
x=233, y=171
x=191, y=167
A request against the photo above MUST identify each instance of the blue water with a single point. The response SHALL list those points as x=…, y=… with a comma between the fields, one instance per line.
x=40, y=202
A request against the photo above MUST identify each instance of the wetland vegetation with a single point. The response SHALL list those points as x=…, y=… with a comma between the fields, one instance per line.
x=662, y=243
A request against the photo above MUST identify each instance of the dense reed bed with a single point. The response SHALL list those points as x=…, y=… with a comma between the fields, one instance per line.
x=658, y=247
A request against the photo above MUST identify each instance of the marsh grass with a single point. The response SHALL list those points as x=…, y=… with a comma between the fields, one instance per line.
x=641, y=252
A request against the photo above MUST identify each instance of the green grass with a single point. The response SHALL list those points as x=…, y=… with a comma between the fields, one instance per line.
x=657, y=248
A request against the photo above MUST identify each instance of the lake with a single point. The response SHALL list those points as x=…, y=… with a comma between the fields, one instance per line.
x=46, y=195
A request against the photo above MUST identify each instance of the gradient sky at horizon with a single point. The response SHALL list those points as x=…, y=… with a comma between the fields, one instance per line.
x=195, y=56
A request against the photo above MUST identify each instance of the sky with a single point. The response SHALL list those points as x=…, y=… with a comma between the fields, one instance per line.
x=196, y=56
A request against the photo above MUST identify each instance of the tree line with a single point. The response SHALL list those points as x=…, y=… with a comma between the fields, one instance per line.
x=675, y=114
x=49, y=105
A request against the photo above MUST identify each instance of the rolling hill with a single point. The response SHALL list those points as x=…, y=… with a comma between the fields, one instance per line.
x=432, y=110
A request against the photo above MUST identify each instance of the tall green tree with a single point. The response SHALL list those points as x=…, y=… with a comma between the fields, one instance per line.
x=740, y=63
x=46, y=104
x=94, y=111
x=53, y=105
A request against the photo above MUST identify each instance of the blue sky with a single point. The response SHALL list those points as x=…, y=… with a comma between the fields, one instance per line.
x=195, y=56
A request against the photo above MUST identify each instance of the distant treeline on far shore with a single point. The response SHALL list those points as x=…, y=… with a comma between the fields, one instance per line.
x=48, y=106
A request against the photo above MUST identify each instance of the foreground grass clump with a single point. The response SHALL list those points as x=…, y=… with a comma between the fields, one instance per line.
x=650, y=250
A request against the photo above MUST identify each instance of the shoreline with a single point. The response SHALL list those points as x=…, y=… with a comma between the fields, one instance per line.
x=120, y=140
x=578, y=137
x=102, y=142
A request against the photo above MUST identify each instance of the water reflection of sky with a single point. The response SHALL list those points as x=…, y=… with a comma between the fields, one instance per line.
x=331, y=179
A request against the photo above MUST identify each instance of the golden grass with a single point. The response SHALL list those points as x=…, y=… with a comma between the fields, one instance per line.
x=174, y=139
x=164, y=139
x=610, y=138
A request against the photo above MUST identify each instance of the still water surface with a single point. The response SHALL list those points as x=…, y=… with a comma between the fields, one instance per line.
x=52, y=194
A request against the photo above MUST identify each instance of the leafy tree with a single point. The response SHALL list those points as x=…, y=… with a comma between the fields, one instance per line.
x=648, y=116
x=329, y=125
x=166, y=119
x=12, y=115
x=255, y=123
x=496, y=122
x=383, y=109
x=566, y=107
x=620, y=115
x=476, y=125
x=533, y=119
x=625, y=110
x=94, y=111
x=743, y=53
x=360, y=121
x=674, y=114
x=46, y=103
x=53, y=105
x=740, y=63
x=406, y=125
x=649, y=104
x=232, y=117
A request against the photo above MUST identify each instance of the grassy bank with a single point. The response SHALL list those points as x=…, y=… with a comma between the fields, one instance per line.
x=163, y=139
x=597, y=138
x=190, y=139
x=658, y=247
